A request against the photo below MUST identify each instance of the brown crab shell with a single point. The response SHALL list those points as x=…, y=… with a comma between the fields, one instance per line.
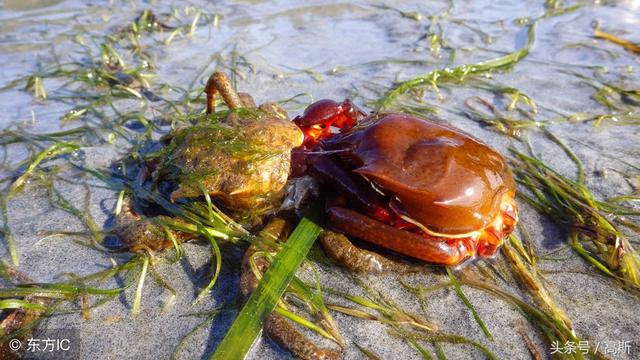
x=446, y=180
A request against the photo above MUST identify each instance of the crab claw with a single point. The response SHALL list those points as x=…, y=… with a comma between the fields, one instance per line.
x=426, y=248
x=318, y=119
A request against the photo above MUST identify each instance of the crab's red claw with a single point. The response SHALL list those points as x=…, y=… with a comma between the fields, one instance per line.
x=318, y=119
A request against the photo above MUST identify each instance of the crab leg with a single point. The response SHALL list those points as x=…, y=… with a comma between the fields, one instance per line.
x=355, y=187
x=429, y=249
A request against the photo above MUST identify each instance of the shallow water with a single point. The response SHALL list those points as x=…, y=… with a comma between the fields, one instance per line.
x=332, y=50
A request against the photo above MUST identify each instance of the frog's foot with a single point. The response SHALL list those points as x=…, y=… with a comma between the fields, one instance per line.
x=276, y=230
x=12, y=320
x=18, y=320
x=140, y=234
x=21, y=318
x=339, y=248
x=286, y=335
x=278, y=328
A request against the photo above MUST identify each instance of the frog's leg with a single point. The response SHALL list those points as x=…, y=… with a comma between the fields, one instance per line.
x=141, y=234
x=278, y=328
x=219, y=83
x=281, y=331
x=18, y=320
x=355, y=259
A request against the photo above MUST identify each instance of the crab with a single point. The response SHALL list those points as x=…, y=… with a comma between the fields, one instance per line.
x=406, y=184
x=410, y=185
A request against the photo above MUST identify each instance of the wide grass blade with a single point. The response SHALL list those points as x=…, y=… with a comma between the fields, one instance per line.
x=248, y=324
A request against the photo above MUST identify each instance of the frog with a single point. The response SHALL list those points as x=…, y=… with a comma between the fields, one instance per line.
x=240, y=158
